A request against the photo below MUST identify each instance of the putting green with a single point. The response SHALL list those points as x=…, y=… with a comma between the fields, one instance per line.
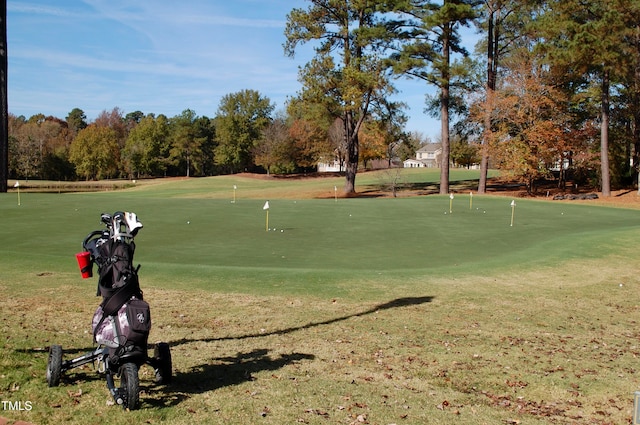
x=222, y=245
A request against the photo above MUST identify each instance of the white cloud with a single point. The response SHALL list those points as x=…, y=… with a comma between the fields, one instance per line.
x=38, y=9
x=157, y=56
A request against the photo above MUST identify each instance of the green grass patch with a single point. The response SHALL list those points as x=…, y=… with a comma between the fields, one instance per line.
x=390, y=310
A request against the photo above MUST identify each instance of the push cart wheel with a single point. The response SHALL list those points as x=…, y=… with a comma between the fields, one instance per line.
x=163, y=370
x=54, y=365
x=130, y=386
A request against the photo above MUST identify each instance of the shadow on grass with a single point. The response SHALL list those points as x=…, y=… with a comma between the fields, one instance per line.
x=399, y=302
x=220, y=372
x=433, y=188
x=423, y=188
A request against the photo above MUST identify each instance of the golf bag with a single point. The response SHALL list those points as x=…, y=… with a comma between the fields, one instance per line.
x=123, y=320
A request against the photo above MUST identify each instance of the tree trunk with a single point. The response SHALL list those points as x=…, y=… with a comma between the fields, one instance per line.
x=635, y=101
x=4, y=108
x=352, y=154
x=484, y=170
x=444, y=110
x=604, y=136
x=444, y=163
x=492, y=64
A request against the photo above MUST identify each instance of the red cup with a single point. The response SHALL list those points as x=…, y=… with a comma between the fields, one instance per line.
x=85, y=264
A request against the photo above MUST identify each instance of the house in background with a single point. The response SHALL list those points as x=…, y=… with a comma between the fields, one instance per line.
x=330, y=167
x=427, y=156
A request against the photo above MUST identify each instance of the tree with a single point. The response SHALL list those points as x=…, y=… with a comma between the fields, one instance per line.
x=312, y=141
x=531, y=125
x=205, y=130
x=133, y=118
x=373, y=142
x=40, y=148
x=4, y=107
x=275, y=151
x=463, y=153
x=95, y=152
x=432, y=31
x=147, y=147
x=502, y=21
x=589, y=38
x=390, y=123
x=633, y=94
x=629, y=105
x=338, y=142
x=239, y=123
x=15, y=123
x=76, y=120
x=114, y=120
x=348, y=73
x=187, y=142
x=410, y=144
x=28, y=151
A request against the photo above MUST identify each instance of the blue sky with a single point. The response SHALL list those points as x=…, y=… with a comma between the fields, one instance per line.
x=158, y=56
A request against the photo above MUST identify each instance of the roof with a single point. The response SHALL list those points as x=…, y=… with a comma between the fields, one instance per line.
x=430, y=147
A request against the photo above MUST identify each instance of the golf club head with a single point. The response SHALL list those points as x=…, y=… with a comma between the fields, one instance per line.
x=118, y=226
x=105, y=218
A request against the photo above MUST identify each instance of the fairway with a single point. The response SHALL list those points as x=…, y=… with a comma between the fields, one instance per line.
x=419, y=309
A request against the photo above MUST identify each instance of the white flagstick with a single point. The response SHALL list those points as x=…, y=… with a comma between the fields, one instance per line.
x=513, y=209
x=266, y=208
x=17, y=186
x=234, y=193
x=335, y=193
x=470, y=200
x=451, y=203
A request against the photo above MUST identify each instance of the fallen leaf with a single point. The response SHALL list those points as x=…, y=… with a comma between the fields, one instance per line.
x=317, y=412
x=76, y=394
x=443, y=405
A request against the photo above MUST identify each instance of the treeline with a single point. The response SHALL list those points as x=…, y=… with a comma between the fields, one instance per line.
x=244, y=135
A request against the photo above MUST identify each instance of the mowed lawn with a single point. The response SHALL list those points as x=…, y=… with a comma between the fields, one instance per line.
x=387, y=310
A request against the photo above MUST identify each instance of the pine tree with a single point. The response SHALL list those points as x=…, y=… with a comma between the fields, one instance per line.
x=432, y=37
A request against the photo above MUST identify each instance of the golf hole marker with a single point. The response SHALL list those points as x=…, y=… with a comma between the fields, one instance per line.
x=513, y=209
x=266, y=208
x=17, y=186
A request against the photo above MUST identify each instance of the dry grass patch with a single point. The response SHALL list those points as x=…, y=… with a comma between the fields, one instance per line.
x=555, y=346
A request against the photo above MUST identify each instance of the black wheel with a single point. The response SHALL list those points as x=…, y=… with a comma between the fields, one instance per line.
x=129, y=386
x=163, y=364
x=54, y=365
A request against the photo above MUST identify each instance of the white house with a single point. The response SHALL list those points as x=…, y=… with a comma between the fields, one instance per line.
x=330, y=167
x=413, y=163
x=427, y=156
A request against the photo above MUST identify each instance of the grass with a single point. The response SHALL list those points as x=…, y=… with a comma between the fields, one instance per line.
x=371, y=311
